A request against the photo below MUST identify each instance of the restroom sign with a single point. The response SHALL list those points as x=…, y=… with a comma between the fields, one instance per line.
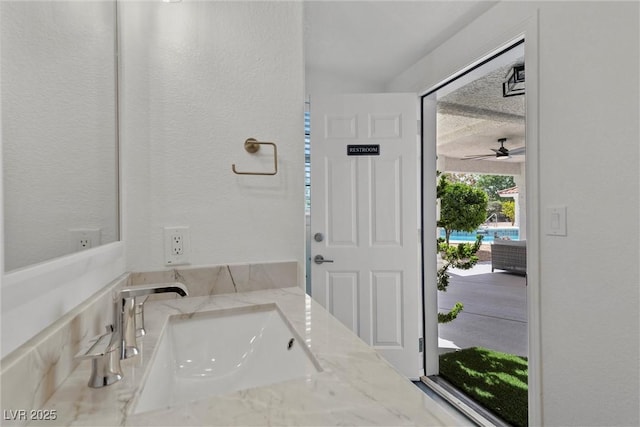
x=363, y=150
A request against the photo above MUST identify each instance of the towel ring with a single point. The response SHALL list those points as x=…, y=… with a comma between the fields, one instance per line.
x=251, y=145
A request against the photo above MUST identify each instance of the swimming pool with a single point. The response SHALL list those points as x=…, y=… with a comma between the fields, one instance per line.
x=489, y=233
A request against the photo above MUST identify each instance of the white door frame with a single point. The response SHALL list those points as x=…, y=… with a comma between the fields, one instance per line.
x=429, y=219
x=528, y=30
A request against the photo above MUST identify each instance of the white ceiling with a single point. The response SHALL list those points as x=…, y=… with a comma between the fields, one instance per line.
x=377, y=40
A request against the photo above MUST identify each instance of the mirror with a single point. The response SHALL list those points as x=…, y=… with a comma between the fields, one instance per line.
x=58, y=91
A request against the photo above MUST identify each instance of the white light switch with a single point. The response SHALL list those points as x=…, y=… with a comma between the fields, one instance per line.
x=556, y=221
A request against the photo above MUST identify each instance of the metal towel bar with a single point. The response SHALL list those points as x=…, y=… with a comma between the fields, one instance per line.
x=252, y=145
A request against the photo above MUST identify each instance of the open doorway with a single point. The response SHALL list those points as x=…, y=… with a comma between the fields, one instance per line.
x=480, y=140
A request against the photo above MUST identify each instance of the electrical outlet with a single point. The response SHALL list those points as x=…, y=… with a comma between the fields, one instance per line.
x=176, y=245
x=84, y=238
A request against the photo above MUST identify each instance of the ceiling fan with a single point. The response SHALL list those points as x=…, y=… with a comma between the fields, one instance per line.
x=500, y=153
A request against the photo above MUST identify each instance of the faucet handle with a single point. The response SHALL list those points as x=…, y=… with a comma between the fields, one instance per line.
x=105, y=359
x=97, y=346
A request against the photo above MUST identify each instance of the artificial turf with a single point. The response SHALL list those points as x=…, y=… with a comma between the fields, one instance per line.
x=498, y=381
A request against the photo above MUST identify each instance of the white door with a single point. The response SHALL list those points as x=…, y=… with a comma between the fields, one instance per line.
x=364, y=220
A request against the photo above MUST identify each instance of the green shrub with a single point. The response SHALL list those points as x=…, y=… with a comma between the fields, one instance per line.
x=462, y=208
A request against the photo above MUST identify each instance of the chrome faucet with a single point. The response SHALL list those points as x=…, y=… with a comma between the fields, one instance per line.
x=119, y=342
x=132, y=309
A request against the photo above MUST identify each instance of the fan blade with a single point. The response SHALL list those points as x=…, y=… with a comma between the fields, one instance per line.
x=478, y=157
x=499, y=153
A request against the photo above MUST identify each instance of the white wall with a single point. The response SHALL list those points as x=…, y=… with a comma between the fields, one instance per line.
x=590, y=279
x=319, y=81
x=198, y=78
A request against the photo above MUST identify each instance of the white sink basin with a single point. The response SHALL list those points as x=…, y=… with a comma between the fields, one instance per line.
x=217, y=352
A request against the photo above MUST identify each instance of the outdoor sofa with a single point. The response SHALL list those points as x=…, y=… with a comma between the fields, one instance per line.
x=509, y=255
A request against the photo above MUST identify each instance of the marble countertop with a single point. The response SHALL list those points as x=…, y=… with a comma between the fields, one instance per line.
x=356, y=386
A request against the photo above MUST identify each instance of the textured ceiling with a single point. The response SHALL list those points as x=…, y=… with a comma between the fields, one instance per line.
x=472, y=118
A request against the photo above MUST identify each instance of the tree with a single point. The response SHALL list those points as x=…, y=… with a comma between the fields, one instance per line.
x=462, y=256
x=465, y=178
x=491, y=184
x=509, y=210
x=462, y=208
x=494, y=207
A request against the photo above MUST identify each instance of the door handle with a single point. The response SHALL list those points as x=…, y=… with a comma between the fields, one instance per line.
x=319, y=259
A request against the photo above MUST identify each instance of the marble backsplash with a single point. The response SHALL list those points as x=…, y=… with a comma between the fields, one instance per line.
x=224, y=279
x=31, y=374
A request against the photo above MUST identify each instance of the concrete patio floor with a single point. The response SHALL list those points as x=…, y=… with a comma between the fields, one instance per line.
x=495, y=310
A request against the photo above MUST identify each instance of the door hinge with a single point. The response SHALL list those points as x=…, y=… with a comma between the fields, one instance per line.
x=419, y=127
x=420, y=345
